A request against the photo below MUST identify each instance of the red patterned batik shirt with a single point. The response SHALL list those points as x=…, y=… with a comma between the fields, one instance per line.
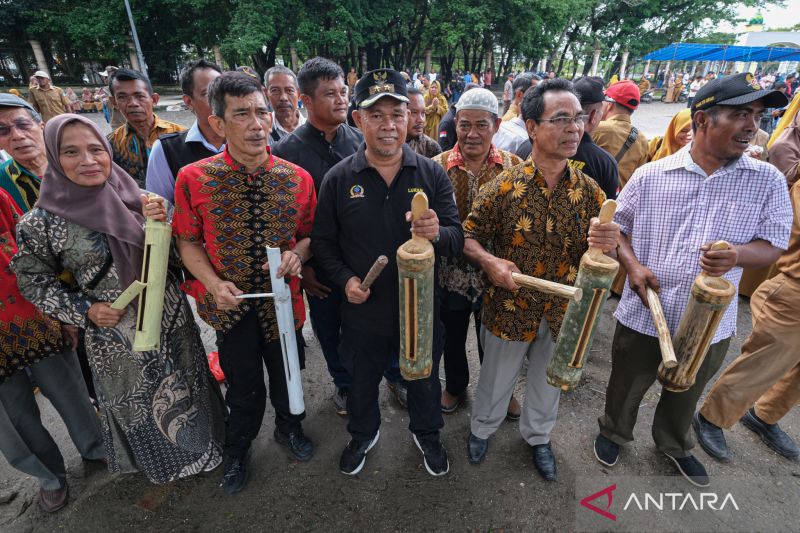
x=26, y=335
x=236, y=215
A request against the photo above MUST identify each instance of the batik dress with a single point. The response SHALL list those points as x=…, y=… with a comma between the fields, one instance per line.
x=161, y=412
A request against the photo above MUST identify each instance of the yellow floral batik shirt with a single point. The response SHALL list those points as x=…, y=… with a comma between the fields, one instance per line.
x=131, y=152
x=543, y=231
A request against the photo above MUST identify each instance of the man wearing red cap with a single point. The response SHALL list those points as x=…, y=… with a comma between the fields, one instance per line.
x=616, y=135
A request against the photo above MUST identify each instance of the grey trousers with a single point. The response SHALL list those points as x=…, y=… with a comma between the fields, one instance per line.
x=24, y=441
x=502, y=363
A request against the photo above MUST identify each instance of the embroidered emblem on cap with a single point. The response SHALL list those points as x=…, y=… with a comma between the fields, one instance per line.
x=752, y=82
x=380, y=83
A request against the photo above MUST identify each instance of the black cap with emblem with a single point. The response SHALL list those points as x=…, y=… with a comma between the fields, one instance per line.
x=739, y=89
x=376, y=84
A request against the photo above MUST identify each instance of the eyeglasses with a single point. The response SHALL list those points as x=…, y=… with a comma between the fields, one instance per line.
x=21, y=125
x=563, y=122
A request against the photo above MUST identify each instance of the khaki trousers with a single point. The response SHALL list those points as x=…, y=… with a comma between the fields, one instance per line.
x=767, y=373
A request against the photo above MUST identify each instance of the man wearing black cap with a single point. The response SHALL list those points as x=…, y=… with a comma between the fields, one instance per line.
x=316, y=146
x=674, y=208
x=590, y=158
x=363, y=213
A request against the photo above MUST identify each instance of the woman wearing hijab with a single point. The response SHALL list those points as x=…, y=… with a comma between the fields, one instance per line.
x=435, y=108
x=678, y=135
x=160, y=410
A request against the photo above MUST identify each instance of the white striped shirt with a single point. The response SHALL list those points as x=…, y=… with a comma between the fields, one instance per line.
x=671, y=207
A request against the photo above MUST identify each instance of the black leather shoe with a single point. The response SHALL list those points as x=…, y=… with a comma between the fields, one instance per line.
x=236, y=474
x=606, y=450
x=772, y=435
x=296, y=442
x=476, y=449
x=711, y=438
x=691, y=469
x=545, y=461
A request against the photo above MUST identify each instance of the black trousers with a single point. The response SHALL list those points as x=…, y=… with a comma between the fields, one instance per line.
x=367, y=357
x=242, y=352
x=456, y=327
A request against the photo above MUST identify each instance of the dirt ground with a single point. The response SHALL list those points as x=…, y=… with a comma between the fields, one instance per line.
x=393, y=492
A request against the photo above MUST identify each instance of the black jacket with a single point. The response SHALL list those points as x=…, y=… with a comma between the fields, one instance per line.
x=307, y=148
x=598, y=165
x=359, y=218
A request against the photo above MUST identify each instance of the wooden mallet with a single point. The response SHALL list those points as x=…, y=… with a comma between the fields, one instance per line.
x=664, y=338
x=374, y=271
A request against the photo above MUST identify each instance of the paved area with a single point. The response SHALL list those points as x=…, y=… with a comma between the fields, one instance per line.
x=393, y=493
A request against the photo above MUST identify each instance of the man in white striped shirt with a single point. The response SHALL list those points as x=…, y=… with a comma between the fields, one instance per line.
x=673, y=209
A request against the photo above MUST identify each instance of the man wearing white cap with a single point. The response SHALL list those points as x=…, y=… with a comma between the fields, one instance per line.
x=47, y=99
x=473, y=161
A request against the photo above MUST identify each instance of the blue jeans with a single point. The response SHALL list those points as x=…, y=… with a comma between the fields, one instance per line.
x=326, y=321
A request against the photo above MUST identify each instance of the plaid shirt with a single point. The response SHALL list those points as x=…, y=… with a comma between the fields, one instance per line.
x=671, y=207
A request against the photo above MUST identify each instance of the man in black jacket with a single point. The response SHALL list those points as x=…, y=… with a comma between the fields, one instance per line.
x=362, y=213
x=590, y=158
x=316, y=146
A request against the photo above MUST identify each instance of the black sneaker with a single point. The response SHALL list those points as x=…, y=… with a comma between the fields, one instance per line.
x=355, y=455
x=606, y=451
x=298, y=444
x=692, y=470
x=434, y=456
x=400, y=392
x=236, y=474
x=772, y=435
x=340, y=401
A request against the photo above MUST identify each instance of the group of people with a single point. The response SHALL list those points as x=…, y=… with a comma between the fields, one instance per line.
x=253, y=172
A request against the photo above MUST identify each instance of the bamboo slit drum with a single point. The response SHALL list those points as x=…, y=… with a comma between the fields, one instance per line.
x=415, y=260
x=150, y=289
x=708, y=300
x=595, y=276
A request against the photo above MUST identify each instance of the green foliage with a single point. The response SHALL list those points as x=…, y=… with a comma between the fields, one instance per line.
x=396, y=33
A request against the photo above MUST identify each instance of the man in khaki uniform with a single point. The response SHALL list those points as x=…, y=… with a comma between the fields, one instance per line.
x=616, y=135
x=48, y=100
x=763, y=384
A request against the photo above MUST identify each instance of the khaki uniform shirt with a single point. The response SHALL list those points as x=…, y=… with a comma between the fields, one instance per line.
x=611, y=134
x=789, y=261
x=49, y=103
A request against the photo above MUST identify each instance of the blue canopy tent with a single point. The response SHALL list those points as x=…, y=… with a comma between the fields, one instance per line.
x=722, y=52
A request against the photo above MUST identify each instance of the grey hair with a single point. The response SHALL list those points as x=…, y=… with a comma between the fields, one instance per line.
x=280, y=69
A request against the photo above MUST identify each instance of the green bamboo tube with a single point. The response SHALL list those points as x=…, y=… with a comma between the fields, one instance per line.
x=595, y=276
x=415, y=260
x=708, y=300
